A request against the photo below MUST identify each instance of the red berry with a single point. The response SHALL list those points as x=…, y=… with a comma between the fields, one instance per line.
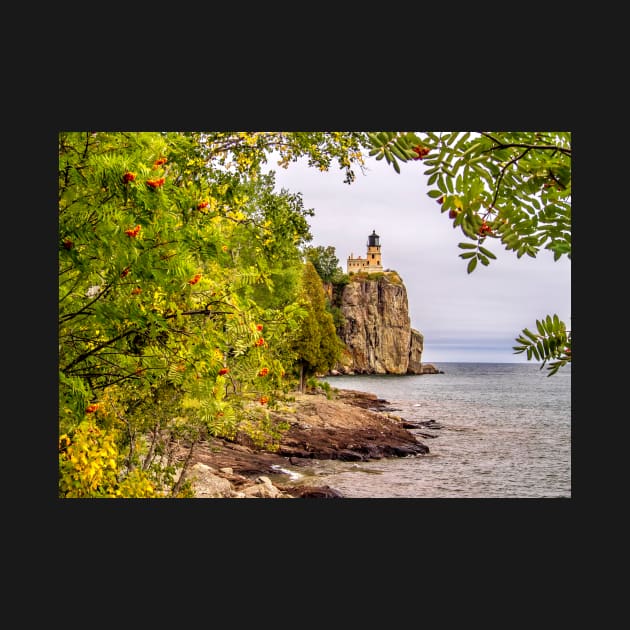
x=420, y=151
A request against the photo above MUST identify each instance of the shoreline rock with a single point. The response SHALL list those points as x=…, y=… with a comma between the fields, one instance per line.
x=352, y=426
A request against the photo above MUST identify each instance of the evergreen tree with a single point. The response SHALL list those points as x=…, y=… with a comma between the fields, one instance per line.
x=317, y=346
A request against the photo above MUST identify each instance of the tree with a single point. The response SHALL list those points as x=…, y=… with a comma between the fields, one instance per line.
x=325, y=262
x=513, y=188
x=166, y=241
x=317, y=346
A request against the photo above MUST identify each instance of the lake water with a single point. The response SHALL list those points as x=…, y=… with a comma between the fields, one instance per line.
x=506, y=433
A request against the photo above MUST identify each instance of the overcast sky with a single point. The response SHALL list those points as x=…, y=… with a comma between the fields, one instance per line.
x=464, y=318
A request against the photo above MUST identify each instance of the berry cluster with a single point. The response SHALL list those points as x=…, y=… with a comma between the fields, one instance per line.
x=223, y=371
x=420, y=152
x=263, y=372
x=260, y=342
x=159, y=162
x=91, y=408
x=129, y=177
x=133, y=232
x=155, y=183
x=485, y=229
x=195, y=279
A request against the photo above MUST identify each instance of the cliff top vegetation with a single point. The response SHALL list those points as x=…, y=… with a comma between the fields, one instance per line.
x=390, y=274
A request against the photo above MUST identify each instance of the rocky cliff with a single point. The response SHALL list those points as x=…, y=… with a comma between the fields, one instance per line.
x=376, y=326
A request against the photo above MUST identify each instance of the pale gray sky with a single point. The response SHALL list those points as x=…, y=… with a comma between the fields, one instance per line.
x=467, y=318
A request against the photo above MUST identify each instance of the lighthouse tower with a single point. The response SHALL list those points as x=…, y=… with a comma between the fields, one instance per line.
x=372, y=262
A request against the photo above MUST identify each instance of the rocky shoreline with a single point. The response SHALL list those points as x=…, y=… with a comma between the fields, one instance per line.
x=349, y=426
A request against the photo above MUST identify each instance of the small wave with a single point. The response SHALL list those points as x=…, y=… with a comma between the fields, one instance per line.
x=292, y=475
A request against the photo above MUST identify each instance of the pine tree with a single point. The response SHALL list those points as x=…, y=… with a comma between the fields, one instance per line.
x=317, y=346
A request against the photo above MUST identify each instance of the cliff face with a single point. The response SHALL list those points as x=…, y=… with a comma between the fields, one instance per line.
x=376, y=327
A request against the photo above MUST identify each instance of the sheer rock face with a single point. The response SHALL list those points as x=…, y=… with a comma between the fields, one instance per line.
x=377, y=329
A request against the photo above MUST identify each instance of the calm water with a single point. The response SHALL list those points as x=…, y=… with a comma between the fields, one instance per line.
x=506, y=432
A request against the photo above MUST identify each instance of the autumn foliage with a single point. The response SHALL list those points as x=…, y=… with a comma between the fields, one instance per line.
x=151, y=364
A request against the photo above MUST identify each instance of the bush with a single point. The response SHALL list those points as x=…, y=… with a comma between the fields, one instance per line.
x=89, y=467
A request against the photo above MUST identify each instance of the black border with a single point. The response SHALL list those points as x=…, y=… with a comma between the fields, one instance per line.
x=352, y=529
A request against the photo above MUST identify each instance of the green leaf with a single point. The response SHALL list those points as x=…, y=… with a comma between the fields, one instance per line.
x=487, y=252
x=530, y=334
x=467, y=245
x=471, y=265
x=546, y=347
x=435, y=193
x=462, y=140
x=398, y=153
x=472, y=149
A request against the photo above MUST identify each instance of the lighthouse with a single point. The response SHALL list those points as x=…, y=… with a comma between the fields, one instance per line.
x=372, y=262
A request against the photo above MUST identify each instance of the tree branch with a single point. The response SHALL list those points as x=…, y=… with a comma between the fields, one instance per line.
x=541, y=147
x=516, y=159
x=109, y=342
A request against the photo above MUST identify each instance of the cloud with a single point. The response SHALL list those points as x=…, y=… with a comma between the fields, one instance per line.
x=463, y=317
